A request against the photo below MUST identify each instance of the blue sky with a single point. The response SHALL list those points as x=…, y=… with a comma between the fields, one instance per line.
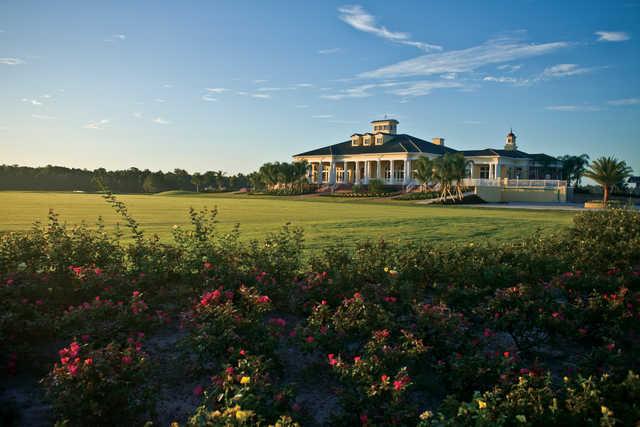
x=232, y=84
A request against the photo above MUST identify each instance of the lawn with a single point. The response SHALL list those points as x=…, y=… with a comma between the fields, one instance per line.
x=324, y=220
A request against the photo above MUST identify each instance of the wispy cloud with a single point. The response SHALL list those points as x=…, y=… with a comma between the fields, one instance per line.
x=361, y=20
x=42, y=117
x=564, y=70
x=304, y=85
x=472, y=122
x=116, y=37
x=97, y=125
x=494, y=51
x=612, y=36
x=11, y=61
x=322, y=116
x=159, y=100
x=503, y=79
x=360, y=91
x=216, y=89
x=330, y=51
x=208, y=98
x=572, y=108
x=510, y=68
x=422, y=88
x=32, y=102
x=167, y=86
x=260, y=95
x=161, y=121
x=270, y=89
x=623, y=102
x=258, y=81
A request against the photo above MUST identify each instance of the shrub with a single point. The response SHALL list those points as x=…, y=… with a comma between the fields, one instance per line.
x=103, y=386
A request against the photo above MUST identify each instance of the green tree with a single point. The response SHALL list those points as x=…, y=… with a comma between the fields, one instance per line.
x=197, y=180
x=423, y=171
x=574, y=167
x=608, y=172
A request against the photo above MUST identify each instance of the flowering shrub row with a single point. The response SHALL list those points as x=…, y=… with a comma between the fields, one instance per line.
x=541, y=332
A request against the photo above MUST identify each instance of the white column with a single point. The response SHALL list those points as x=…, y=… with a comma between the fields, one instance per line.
x=321, y=168
x=332, y=172
x=367, y=172
x=407, y=178
x=357, y=172
x=378, y=172
x=391, y=171
x=344, y=171
x=497, y=170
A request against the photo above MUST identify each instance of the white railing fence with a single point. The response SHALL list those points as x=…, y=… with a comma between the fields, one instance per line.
x=516, y=183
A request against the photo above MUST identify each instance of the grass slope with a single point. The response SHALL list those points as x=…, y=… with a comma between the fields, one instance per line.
x=324, y=220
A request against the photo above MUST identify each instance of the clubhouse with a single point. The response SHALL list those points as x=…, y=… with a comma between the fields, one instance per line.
x=386, y=155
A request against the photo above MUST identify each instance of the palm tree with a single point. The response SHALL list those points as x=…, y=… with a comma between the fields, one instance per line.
x=608, y=171
x=300, y=170
x=573, y=167
x=458, y=169
x=269, y=173
x=423, y=171
x=196, y=179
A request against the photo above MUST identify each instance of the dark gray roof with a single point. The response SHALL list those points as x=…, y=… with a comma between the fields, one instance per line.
x=514, y=154
x=398, y=144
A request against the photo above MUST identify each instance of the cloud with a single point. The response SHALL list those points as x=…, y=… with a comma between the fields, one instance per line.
x=330, y=51
x=258, y=81
x=612, y=36
x=572, y=108
x=42, y=117
x=322, y=116
x=161, y=121
x=115, y=37
x=472, y=122
x=304, y=85
x=208, y=98
x=260, y=95
x=98, y=125
x=502, y=79
x=167, y=86
x=510, y=68
x=494, y=51
x=623, y=102
x=361, y=20
x=449, y=76
x=160, y=100
x=361, y=91
x=137, y=115
x=216, y=89
x=11, y=61
x=564, y=70
x=422, y=88
x=32, y=102
x=269, y=89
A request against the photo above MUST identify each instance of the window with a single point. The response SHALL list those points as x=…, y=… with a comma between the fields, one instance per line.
x=484, y=171
x=367, y=140
x=379, y=139
x=355, y=141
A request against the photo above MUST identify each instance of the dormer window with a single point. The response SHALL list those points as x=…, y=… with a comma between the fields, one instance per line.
x=366, y=140
x=355, y=140
x=379, y=139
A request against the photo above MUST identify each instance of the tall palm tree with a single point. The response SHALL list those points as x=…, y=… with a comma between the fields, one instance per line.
x=458, y=169
x=608, y=171
x=269, y=173
x=423, y=171
x=300, y=170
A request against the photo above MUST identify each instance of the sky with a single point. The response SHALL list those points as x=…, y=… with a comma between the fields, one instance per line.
x=209, y=85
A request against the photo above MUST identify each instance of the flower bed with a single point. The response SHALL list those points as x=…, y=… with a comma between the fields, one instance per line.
x=538, y=331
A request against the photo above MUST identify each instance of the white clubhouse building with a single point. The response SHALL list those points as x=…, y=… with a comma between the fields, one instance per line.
x=386, y=155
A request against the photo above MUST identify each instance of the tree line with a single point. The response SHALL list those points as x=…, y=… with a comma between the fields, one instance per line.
x=132, y=180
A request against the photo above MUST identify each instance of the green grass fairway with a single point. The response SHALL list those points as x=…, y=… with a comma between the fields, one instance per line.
x=323, y=219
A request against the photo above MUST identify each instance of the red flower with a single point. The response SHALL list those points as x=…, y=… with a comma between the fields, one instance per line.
x=356, y=359
x=127, y=360
x=364, y=419
x=264, y=299
x=506, y=354
x=207, y=266
x=97, y=271
x=85, y=337
x=88, y=361
x=384, y=378
x=390, y=299
x=230, y=370
x=198, y=390
x=310, y=339
x=136, y=294
x=611, y=346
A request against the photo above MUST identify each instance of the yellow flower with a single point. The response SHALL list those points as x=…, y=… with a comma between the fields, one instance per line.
x=606, y=411
x=426, y=415
x=175, y=424
x=243, y=415
x=566, y=379
x=245, y=380
x=482, y=404
x=386, y=269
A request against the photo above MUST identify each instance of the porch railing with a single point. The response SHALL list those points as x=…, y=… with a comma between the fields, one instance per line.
x=516, y=183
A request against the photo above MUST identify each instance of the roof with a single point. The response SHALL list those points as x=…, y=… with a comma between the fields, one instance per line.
x=401, y=143
x=385, y=120
x=514, y=154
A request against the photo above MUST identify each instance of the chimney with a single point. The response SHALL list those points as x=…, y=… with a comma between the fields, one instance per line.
x=438, y=141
